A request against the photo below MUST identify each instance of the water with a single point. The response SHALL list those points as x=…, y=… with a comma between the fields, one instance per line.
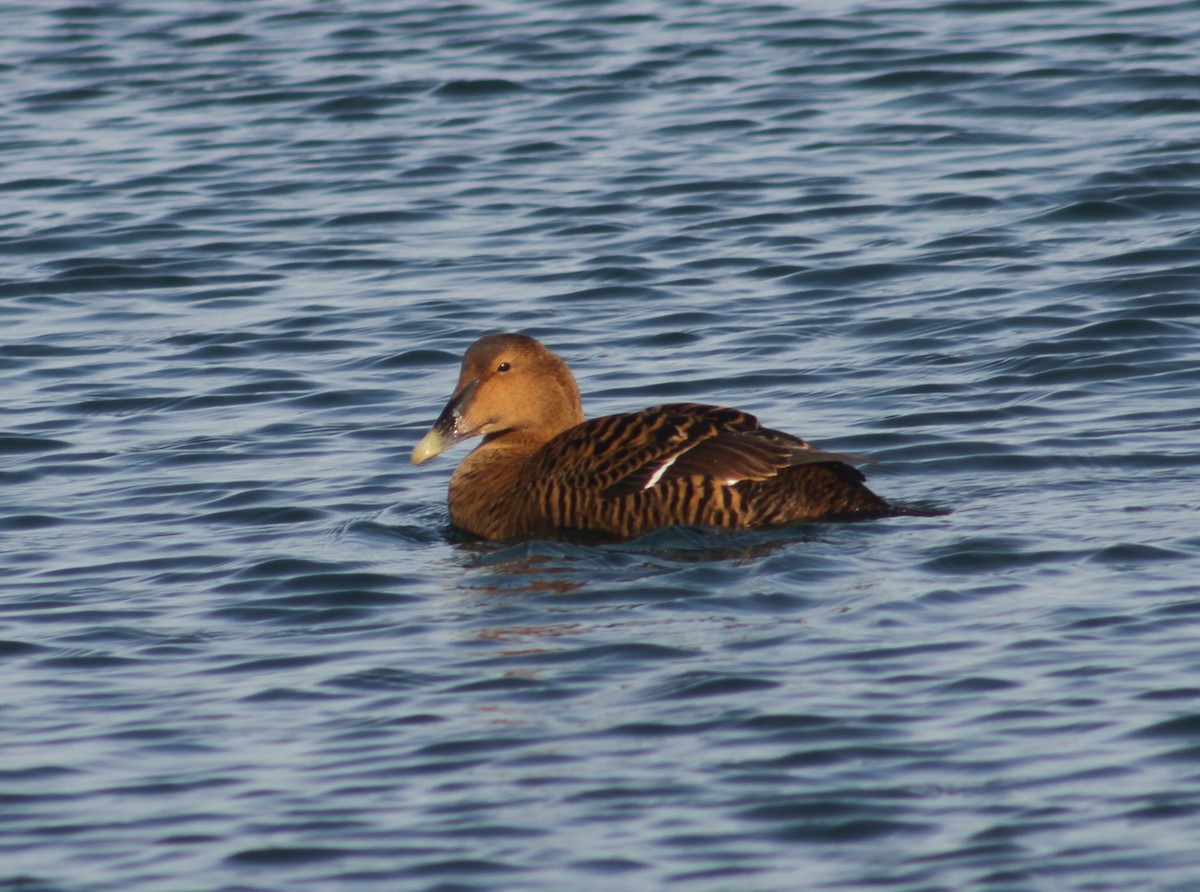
x=242, y=247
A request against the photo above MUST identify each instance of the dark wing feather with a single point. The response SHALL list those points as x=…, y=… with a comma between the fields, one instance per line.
x=730, y=456
x=617, y=450
x=621, y=454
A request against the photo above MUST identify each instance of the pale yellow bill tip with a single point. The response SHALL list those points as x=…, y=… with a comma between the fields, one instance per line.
x=433, y=443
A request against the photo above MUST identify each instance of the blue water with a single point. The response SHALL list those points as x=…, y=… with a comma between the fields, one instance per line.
x=242, y=247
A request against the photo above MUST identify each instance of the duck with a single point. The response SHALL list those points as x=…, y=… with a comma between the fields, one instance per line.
x=544, y=470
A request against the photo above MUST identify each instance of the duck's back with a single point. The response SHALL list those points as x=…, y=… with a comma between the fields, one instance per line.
x=684, y=463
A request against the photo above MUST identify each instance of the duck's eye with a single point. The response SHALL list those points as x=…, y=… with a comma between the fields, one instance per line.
x=503, y=367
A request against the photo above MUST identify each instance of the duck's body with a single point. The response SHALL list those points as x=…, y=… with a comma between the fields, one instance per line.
x=543, y=469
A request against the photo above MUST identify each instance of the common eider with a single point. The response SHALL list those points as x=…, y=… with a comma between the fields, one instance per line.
x=544, y=470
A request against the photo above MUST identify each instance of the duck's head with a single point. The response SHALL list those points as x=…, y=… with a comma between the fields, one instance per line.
x=509, y=383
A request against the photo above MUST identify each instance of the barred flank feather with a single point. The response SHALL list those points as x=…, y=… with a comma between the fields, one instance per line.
x=713, y=466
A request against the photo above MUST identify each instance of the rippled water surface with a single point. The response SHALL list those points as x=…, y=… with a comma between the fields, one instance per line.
x=242, y=247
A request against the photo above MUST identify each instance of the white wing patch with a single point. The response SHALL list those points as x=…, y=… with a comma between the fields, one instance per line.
x=662, y=469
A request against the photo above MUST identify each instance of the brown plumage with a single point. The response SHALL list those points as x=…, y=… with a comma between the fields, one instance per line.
x=543, y=469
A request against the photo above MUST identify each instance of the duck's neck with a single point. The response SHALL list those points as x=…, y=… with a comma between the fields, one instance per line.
x=487, y=497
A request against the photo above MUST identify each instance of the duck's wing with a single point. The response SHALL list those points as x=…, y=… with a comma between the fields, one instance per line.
x=617, y=455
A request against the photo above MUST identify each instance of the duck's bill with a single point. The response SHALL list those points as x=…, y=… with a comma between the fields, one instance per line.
x=447, y=430
x=433, y=443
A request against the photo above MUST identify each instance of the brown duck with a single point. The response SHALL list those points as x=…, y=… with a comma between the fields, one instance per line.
x=543, y=469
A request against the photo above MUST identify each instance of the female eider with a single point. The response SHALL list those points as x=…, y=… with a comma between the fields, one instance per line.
x=543, y=470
